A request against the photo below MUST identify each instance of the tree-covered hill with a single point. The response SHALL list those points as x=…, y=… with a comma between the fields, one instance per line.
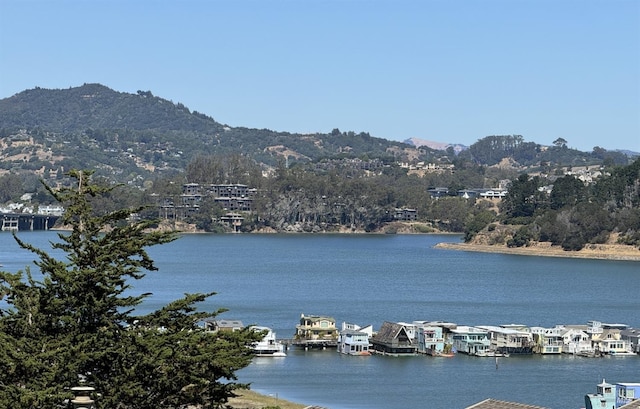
x=131, y=135
x=94, y=106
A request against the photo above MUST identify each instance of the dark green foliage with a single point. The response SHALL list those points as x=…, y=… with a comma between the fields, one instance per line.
x=477, y=222
x=567, y=191
x=78, y=322
x=522, y=200
x=521, y=238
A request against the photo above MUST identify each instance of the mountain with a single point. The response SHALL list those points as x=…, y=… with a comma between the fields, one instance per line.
x=441, y=146
x=132, y=135
x=132, y=138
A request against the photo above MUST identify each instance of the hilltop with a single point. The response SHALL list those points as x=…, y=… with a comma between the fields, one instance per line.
x=137, y=134
x=136, y=137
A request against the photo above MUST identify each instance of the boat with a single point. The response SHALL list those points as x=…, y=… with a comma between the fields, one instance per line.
x=491, y=353
x=268, y=346
x=444, y=354
x=621, y=353
x=590, y=354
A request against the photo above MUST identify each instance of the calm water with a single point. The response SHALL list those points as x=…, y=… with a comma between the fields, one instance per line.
x=271, y=279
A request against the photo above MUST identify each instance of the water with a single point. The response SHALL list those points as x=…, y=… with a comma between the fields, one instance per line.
x=271, y=279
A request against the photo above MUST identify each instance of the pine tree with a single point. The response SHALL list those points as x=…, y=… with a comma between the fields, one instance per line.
x=75, y=321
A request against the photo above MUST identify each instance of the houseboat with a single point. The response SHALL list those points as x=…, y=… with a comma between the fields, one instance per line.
x=607, y=339
x=268, y=345
x=354, y=340
x=394, y=339
x=620, y=395
x=431, y=339
x=472, y=341
x=316, y=331
x=547, y=340
x=575, y=340
x=510, y=339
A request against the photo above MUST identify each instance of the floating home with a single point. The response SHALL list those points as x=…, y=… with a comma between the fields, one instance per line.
x=612, y=396
x=510, y=339
x=394, y=339
x=471, y=340
x=316, y=331
x=354, y=340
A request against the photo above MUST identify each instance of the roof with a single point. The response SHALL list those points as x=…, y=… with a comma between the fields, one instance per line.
x=500, y=404
x=389, y=331
x=228, y=323
x=315, y=318
x=631, y=405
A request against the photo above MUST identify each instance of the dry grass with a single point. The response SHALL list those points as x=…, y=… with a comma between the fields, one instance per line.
x=248, y=399
x=591, y=251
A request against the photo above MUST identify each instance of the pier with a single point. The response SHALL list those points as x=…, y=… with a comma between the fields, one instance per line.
x=309, y=343
x=26, y=221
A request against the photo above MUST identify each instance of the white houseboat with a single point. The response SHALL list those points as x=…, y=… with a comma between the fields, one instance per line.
x=548, y=340
x=354, y=340
x=510, y=339
x=471, y=340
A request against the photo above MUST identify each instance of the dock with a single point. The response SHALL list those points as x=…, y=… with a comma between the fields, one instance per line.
x=309, y=343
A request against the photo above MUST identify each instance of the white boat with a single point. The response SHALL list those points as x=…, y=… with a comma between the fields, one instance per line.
x=621, y=353
x=491, y=353
x=268, y=346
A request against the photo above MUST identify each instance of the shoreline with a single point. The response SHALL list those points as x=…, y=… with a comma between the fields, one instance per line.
x=593, y=252
x=250, y=399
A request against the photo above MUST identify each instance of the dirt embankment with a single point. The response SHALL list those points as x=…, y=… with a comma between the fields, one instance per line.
x=591, y=251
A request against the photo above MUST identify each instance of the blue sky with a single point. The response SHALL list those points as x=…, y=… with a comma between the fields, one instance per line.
x=450, y=71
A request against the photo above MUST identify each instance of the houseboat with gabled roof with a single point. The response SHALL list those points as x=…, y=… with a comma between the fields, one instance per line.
x=394, y=339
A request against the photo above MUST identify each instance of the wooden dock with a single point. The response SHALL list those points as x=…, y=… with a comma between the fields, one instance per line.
x=309, y=343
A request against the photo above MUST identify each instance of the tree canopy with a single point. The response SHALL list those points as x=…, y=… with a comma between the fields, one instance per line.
x=74, y=321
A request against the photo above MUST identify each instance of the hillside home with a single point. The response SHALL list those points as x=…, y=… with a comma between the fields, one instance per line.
x=405, y=214
x=394, y=339
x=471, y=340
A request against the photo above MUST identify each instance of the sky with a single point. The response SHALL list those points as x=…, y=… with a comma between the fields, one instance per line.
x=451, y=71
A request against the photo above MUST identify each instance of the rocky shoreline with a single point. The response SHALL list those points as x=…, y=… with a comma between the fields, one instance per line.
x=617, y=252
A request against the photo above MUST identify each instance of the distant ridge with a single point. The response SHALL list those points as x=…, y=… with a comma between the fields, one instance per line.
x=417, y=142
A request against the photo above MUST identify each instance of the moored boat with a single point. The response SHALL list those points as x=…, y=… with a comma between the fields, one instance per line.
x=268, y=345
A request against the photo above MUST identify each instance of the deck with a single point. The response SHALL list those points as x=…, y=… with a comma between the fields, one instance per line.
x=309, y=343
